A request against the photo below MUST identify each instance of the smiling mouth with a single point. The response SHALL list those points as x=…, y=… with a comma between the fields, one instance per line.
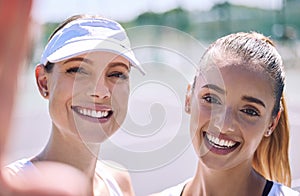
x=218, y=145
x=98, y=114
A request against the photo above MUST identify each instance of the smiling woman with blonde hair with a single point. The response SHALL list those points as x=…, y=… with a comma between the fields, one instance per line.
x=238, y=122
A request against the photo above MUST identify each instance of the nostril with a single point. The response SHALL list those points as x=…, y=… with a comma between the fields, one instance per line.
x=96, y=96
x=100, y=93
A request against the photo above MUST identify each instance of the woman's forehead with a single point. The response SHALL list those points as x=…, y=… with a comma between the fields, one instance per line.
x=235, y=73
x=99, y=57
x=104, y=56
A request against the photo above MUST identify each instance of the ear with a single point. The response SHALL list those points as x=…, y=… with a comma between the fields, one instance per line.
x=188, y=100
x=273, y=124
x=41, y=77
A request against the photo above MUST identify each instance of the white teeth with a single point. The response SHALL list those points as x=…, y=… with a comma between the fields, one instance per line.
x=89, y=112
x=220, y=143
x=83, y=112
x=93, y=113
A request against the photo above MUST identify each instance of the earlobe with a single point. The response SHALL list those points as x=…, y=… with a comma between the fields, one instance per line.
x=42, y=80
x=273, y=125
x=268, y=133
x=188, y=100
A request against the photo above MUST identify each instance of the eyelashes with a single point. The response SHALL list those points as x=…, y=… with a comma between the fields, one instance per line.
x=211, y=99
x=250, y=112
x=119, y=75
x=112, y=74
x=75, y=70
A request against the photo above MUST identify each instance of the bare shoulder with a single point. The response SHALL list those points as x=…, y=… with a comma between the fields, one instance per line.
x=121, y=175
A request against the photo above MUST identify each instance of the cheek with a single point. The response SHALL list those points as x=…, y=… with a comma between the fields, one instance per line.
x=199, y=120
x=59, y=100
x=120, y=96
x=119, y=103
x=61, y=86
x=60, y=94
x=253, y=134
x=59, y=91
x=199, y=117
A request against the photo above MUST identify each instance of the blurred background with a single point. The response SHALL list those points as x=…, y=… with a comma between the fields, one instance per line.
x=169, y=38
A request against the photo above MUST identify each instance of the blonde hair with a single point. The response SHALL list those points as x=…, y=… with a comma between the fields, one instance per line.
x=256, y=51
x=271, y=157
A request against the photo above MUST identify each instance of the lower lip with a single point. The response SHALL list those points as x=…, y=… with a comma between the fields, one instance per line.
x=219, y=151
x=92, y=119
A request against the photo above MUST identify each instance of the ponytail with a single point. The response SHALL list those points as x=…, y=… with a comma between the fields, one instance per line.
x=271, y=158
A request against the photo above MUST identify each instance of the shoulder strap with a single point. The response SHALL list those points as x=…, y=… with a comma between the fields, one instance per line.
x=182, y=190
x=267, y=188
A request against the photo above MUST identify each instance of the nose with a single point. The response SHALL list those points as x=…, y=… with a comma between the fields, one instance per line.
x=225, y=120
x=99, y=89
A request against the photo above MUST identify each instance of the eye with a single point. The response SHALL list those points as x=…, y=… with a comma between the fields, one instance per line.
x=209, y=98
x=250, y=112
x=117, y=74
x=75, y=70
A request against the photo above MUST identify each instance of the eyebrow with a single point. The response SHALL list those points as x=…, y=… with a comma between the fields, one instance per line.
x=88, y=61
x=244, y=98
x=254, y=100
x=115, y=64
x=79, y=59
x=214, y=87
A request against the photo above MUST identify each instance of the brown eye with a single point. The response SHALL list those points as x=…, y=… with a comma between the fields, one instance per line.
x=250, y=112
x=75, y=70
x=211, y=99
x=120, y=75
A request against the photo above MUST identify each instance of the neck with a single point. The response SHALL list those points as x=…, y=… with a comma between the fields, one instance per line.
x=240, y=180
x=71, y=150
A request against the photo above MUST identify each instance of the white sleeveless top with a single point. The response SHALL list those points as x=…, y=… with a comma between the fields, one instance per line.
x=277, y=189
x=108, y=179
x=110, y=182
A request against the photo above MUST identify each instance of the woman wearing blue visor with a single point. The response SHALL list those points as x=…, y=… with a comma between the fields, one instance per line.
x=84, y=74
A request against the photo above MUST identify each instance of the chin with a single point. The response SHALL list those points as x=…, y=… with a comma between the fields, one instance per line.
x=215, y=163
x=92, y=136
